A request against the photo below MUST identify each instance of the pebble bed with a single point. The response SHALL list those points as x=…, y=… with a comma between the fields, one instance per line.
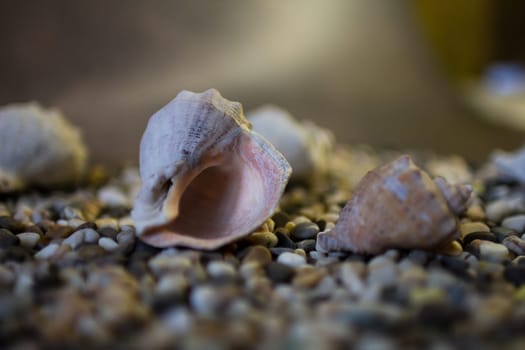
x=73, y=275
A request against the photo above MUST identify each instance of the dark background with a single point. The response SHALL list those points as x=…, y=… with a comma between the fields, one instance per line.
x=367, y=70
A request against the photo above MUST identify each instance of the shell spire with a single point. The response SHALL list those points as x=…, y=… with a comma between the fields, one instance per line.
x=397, y=205
x=206, y=178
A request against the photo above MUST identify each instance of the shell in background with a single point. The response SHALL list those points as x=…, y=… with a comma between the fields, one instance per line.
x=305, y=145
x=397, y=206
x=207, y=180
x=39, y=147
x=511, y=164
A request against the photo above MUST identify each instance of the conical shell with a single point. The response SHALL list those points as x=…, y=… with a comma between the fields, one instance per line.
x=207, y=180
x=38, y=147
x=305, y=145
x=397, y=206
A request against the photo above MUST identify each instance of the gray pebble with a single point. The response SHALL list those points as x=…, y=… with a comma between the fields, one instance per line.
x=90, y=235
x=7, y=238
x=515, y=244
x=47, y=252
x=28, y=239
x=217, y=269
x=291, y=259
x=108, y=244
x=304, y=230
x=307, y=245
x=75, y=239
x=515, y=222
x=125, y=237
x=501, y=208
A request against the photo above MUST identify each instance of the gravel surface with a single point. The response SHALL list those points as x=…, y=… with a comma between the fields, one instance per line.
x=73, y=275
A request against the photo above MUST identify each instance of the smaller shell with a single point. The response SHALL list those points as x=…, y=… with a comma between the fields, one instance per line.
x=305, y=145
x=511, y=164
x=397, y=206
x=38, y=148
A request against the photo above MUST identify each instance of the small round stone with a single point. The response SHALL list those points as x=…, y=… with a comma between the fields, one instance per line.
x=515, y=274
x=75, y=240
x=107, y=222
x=109, y=232
x=454, y=248
x=59, y=231
x=283, y=239
x=279, y=273
x=258, y=254
x=280, y=218
x=515, y=222
x=218, y=269
x=28, y=239
x=108, y=244
x=469, y=227
x=501, y=232
x=307, y=245
x=291, y=259
x=7, y=238
x=304, y=230
x=515, y=244
x=490, y=251
x=47, y=252
x=498, y=209
x=267, y=239
x=485, y=236
x=8, y=223
x=90, y=235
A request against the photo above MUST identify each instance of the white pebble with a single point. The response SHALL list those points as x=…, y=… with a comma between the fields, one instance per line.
x=47, y=252
x=76, y=222
x=515, y=222
x=291, y=259
x=28, y=239
x=108, y=244
x=125, y=237
x=75, y=239
x=498, y=209
x=220, y=269
x=90, y=235
x=493, y=251
x=112, y=196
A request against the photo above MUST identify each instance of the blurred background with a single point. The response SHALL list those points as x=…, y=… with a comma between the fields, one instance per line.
x=434, y=75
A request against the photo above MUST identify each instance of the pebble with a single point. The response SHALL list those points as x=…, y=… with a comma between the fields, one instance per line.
x=7, y=238
x=352, y=275
x=90, y=235
x=8, y=223
x=454, y=248
x=470, y=227
x=497, y=210
x=475, y=213
x=218, y=269
x=283, y=239
x=280, y=218
x=515, y=222
x=28, y=239
x=75, y=239
x=307, y=245
x=304, y=230
x=107, y=222
x=490, y=251
x=279, y=273
x=112, y=196
x=108, y=232
x=59, y=231
x=485, y=236
x=47, y=252
x=108, y=244
x=291, y=259
x=267, y=239
x=308, y=277
x=515, y=274
x=515, y=244
x=502, y=232
x=258, y=254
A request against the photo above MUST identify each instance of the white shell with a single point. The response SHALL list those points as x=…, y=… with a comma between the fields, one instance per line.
x=305, y=145
x=511, y=164
x=38, y=147
x=207, y=180
x=397, y=205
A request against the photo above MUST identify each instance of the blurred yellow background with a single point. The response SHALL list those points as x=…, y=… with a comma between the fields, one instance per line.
x=380, y=73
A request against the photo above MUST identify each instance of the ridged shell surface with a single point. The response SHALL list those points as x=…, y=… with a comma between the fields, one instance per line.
x=397, y=205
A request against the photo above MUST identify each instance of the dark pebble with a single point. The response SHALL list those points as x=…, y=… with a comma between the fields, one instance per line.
x=485, y=236
x=501, y=232
x=394, y=295
x=456, y=295
x=88, y=252
x=59, y=231
x=321, y=224
x=280, y=219
x=307, y=245
x=14, y=253
x=515, y=274
x=11, y=224
x=7, y=238
x=108, y=232
x=206, y=257
x=279, y=250
x=284, y=240
x=279, y=273
x=520, y=261
x=304, y=230
x=419, y=257
x=138, y=268
x=88, y=224
x=439, y=315
x=456, y=265
x=35, y=229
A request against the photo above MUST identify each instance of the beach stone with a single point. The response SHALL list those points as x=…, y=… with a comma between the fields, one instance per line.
x=291, y=259
x=280, y=218
x=470, y=227
x=501, y=232
x=47, y=252
x=90, y=235
x=484, y=236
x=279, y=273
x=498, y=209
x=515, y=274
x=307, y=245
x=10, y=224
x=221, y=269
x=515, y=222
x=258, y=254
x=7, y=238
x=475, y=213
x=352, y=275
x=304, y=230
x=59, y=231
x=75, y=239
x=490, y=251
x=515, y=244
x=208, y=300
x=267, y=239
x=28, y=239
x=308, y=277
x=453, y=248
x=107, y=222
x=108, y=232
x=108, y=244
x=283, y=239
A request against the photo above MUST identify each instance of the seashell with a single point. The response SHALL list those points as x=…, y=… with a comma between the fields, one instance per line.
x=398, y=205
x=510, y=164
x=305, y=145
x=39, y=147
x=207, y=179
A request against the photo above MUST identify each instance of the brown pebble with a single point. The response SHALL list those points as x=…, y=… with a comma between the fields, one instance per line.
x=308, y=277
x=59, y=231
x=258, y=254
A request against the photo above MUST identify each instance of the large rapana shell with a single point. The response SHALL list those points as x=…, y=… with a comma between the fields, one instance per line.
x=397, y=205
x=206, y=178
x=305, y=145
x=38, y=147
